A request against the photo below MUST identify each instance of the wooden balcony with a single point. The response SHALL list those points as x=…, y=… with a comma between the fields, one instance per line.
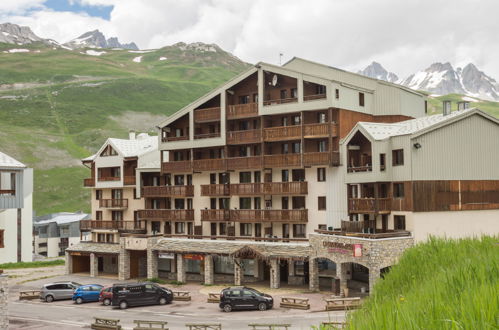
x=282, y=133
x=89, y=182
x=387, y=234
x=243, y=163
x=255, y=215
x=316, y=158
x=123, y=226
x=7, y=192
x=183, y=166
x=206, y=136
x=166, y=215
x=314, y=97
x=129, y=180
x=109, y=178
x=370, y=205
x=207, y=115
x=113, y=203
x=175, y=138
x=280, y=101
x=238, y=111
x=250, y=189
x=352, y=226
x=364, y=168
x=168, y=191
x=217, y=164
x=244, y=137
x=282, y=160
x=320, y=130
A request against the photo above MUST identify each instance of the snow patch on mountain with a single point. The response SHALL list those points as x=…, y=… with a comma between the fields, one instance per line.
x=137, y=59
x=377, y=71
x=94, y=52
x=95, y=39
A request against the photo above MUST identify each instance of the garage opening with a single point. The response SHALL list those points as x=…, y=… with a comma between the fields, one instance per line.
x=138, y=264
x=81, y=264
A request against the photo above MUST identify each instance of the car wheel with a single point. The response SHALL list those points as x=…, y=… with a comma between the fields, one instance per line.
x=123, y=305
x=162, y=301
x=49, y=298
x=262, y=306
x=227, y=308
x=107, y=302
x=79, y=300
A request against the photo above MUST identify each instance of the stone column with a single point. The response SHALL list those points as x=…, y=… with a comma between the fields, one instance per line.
x=94, y=265
x=124, y=264
x=68, y=266
x=275, y=274
x=291, y=272
x=313, y=275
x=4, y=290
x=238, y=272
x=341, y=273
x=374, y=275
x=152, y=263
x=209, y=274
x=181, y=277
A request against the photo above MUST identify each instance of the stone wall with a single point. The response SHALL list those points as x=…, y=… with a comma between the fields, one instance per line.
x=4, y=289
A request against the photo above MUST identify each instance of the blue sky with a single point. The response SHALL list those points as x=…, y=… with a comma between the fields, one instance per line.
x=75, y=6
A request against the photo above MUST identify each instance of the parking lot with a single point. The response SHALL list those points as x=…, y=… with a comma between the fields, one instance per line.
x=36, y=314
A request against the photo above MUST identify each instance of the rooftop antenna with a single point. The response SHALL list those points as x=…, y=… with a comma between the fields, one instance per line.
x=280, y=58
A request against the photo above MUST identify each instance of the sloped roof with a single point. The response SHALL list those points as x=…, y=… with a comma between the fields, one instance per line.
x=63, y=218
x=142, y=144
x=7, y=161
x=94, y=247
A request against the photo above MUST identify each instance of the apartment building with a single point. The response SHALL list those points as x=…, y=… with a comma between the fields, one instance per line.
x=54, y=233
x=299, y=174
x=16, y=210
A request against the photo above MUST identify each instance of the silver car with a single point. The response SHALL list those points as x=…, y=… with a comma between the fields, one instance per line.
x=58, y=291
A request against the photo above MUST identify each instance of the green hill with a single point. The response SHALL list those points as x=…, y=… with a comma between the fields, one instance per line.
x=58, y=106
x=442, y=284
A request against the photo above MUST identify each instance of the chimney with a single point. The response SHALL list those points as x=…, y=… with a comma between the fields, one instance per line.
x=463, y=105
x=131, y=135
x=446, y=107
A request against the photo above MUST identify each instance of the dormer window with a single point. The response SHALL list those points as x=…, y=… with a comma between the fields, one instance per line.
x=108, y=151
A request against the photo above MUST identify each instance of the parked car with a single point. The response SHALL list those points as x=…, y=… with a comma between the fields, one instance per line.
x=244, y=298
x=137, y=294
x=106, y=295
x=58, y=290
x=87, y=293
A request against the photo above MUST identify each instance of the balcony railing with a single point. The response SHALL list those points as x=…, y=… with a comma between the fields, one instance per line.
x=352, y=226
x=168, y=191
x=255, y=215
x=316, y=158
x=314, y=97
x=217, y=164
x=282, y=133
x=280, y=101
x=263, y=188
x=177, y=166
x=207, y=115
x=9, y=192
x=387, y=234
x=206, y=135
x=244, y=137
x=243, y=163
x=320, y=130
x=129, y=180
x=131, y=226
x=364, y=168
x=113, y=203
x=90, y=182
x=369, y=205
x=109, y=178
x=282, y=160
x=238, y=111
x=175, y=138
x=166, y=215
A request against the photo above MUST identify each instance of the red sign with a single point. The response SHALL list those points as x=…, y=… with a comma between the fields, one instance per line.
x=357, y=250
x=193, y=256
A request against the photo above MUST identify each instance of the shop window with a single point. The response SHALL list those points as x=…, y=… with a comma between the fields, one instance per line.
x=398, y=190
x=299, y=268
x=321, y=174
x=299, y=230
x=398, y=157
x=223, y=265
x=322, y=203
x=192, y=266
x=399, y=222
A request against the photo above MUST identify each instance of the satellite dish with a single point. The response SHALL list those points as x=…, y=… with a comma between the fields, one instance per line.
x=274, y=80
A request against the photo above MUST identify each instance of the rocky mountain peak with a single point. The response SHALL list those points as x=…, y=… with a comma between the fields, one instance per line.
x=377, y=71
x=19, y=35
x=96, y=39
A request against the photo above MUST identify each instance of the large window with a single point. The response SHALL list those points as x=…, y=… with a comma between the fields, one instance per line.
x=179, y=227
x=321, y=174
x=398, y=157
x=245, y=229
x=244, y=177
x=245, y=203
x=398, y=190
x=299, y=230
x=399, y=222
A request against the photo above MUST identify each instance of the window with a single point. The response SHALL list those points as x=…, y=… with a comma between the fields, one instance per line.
x=299, y=230
x=398, y=157
x=361, y=99
x=179, y=204
x=321, y=117
x=135, y=194
x=244, y=177
x=116, y=172
x=399, y=222
x=98, y=215
x=284, y=121
x=257, y=176
x=222, y=228
x=179, y=227
x=425, y=107
x=321, y=146
x=245, y=229
x=257, y=203
x=178, y=180
x=285, y=230
x=117, y=193
x=245, y=203
x=117, y=215
x=213, y=178
x=284, y=148
x=1, y=238
x=337, y=93
x=285, y=203
x=98, y=194
x=213, y=203
x=179, y=132
x=189, y=203
x=244, y=99
x=284, y=94
x=285, y=175
x=296, y=120
x=321, y=174
x=382, y=162
x=398, y=190
x=294, y=93
x=255, y=98
x=298, y=175
x=155, y=227
x=189, y=179
x=296, y=147
x=108, y=151
x=258, y=229
x=322, y=203
x=320, y=89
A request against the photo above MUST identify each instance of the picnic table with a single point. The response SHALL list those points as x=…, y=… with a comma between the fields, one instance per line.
x=293, y=302
x=337, y=304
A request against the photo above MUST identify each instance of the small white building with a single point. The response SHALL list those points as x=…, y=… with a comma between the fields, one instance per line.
x=16, y=210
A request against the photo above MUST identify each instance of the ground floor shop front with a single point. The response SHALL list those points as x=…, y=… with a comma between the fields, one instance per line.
x=325, y=262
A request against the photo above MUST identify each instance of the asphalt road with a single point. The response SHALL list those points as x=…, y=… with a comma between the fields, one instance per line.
x=66, y=315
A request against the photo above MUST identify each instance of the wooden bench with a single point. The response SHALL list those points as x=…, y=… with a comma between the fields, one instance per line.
x=29, y=295
x=292, y=302
x=270, y=326
x=204, y=326
x=105, y=324
x=148, y=325
x=213, y=297
x=339, y=304
x=181, y=295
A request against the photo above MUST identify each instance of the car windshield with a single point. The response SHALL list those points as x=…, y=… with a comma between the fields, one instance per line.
x=256, y=292
x=76, y=284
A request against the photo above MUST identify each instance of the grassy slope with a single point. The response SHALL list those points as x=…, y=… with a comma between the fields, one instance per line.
x=438, y=285
x=65, y=113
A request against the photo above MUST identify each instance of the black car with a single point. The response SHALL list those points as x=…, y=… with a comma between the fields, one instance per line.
x=244, y=298
x=139, y=294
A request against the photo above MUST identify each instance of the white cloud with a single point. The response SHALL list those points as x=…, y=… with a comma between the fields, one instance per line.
x=404, y=36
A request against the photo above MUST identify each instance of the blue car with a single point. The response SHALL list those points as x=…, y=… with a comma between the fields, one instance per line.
x=87, y=293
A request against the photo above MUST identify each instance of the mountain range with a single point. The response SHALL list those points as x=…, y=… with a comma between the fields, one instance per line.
x=442, y=79
x=95, y=39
